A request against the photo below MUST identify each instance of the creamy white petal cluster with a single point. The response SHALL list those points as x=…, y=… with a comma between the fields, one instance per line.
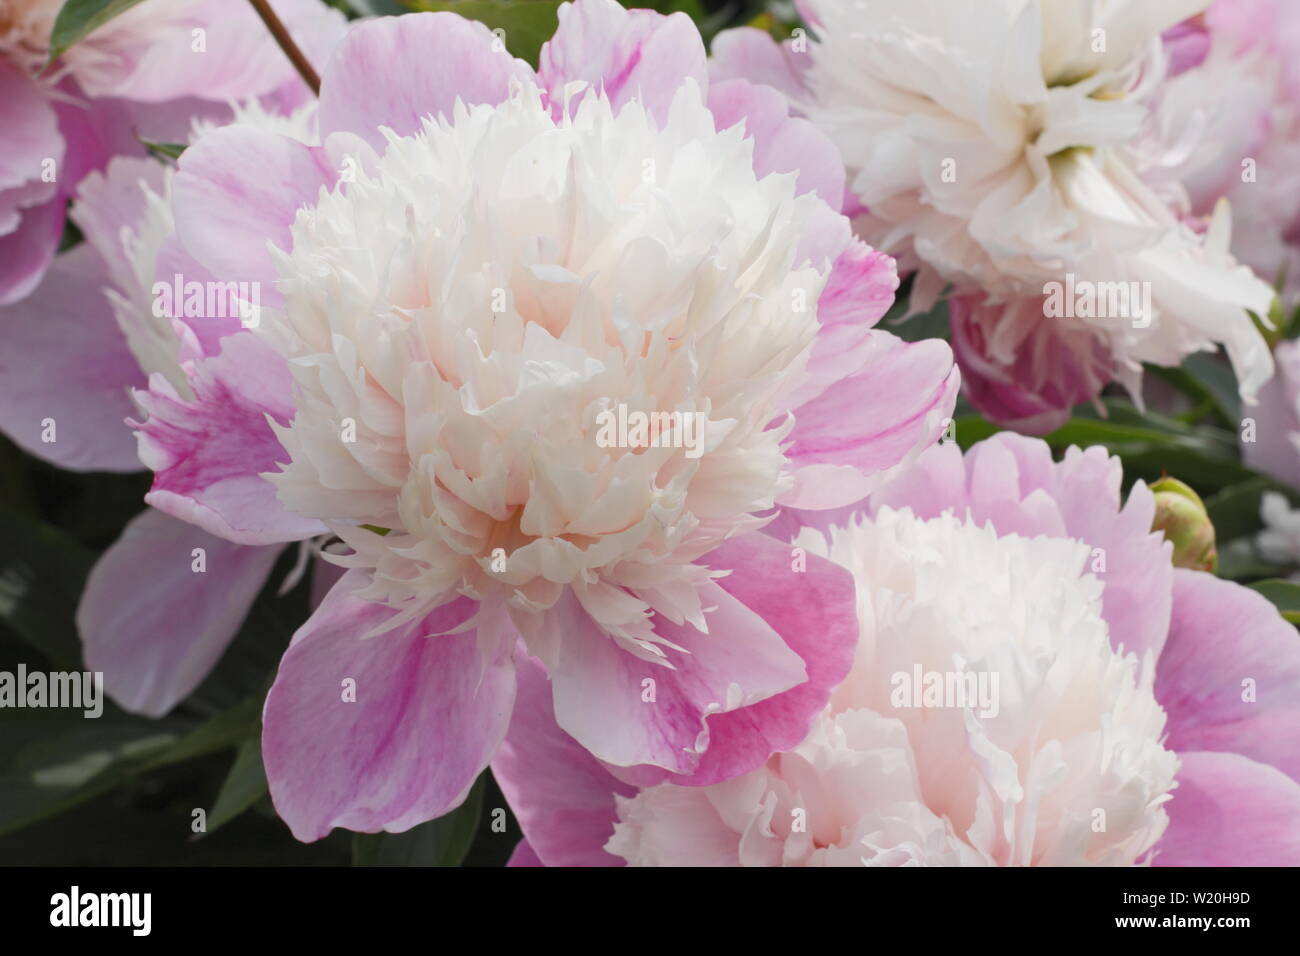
x=466, y=317
x=987, y=721
x=1006, y=145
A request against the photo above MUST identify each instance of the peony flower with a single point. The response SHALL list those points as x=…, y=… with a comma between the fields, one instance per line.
x=142, y=74
x=1035, y=684
x=1013, y=150
x=468, y=290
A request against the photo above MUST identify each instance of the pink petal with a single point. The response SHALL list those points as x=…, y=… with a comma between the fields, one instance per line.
x=524, y=855
x=209, y=454
x=31, y=137
x=65, y=359
x=782, y=143
x=858, y=293
x=815, y=613
x=1011, y=481
x=1231, y=811
x=894, y=407
x=562, y=796
x=752, y=54
x=395, y=71
x=1021, y=369
x=429, y=712
x=149, y=53
x=1222, y=636
x=1139, y=571
x=152, y=624
x=630, y=54
x=27, y=251
x=237, y=191
x=599, y=686
x=113, y=200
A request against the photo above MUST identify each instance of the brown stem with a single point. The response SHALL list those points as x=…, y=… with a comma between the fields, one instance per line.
x=263, y=8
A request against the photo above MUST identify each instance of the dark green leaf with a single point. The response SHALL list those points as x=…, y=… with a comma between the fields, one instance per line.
x=245, y=785
x=42, y=571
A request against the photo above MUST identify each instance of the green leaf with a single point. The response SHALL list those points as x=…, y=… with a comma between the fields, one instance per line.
x=527, y=23
x=243, y=786
x=1284, y=594
x=440, y=842
x=80, y=18
x=55, y=774
x=42, y=571
x=165, y=151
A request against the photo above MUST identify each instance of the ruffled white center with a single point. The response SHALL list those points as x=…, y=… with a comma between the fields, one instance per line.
x=466, y=317
x=986, y=721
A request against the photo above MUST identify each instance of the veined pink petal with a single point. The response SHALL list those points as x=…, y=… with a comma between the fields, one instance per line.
x=208, y=455
x=386, y=732
x=630, y=54
x=1229, y=810
x=856, y=296
x=155, y=624
x=1229, y=675
x=602, y=698
x=895, y=406
x=752, y=54
x=236, y=193
x=782, y=143
x=813, y=611
x=562, y=796
x=395, y=71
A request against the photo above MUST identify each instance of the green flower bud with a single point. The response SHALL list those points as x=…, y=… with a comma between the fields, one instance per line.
x=1181, y=515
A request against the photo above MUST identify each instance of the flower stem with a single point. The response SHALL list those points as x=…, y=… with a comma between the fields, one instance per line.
x=295, y=55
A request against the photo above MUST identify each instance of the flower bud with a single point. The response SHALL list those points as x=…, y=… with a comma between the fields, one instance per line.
x=1181, y=515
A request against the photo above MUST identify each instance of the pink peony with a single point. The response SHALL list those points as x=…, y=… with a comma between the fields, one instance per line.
x=476, y=271
x=1137, y=712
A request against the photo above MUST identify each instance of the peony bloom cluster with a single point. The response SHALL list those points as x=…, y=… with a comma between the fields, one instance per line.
x=1093, y=705
x=1018, y=154
x=565, y=381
